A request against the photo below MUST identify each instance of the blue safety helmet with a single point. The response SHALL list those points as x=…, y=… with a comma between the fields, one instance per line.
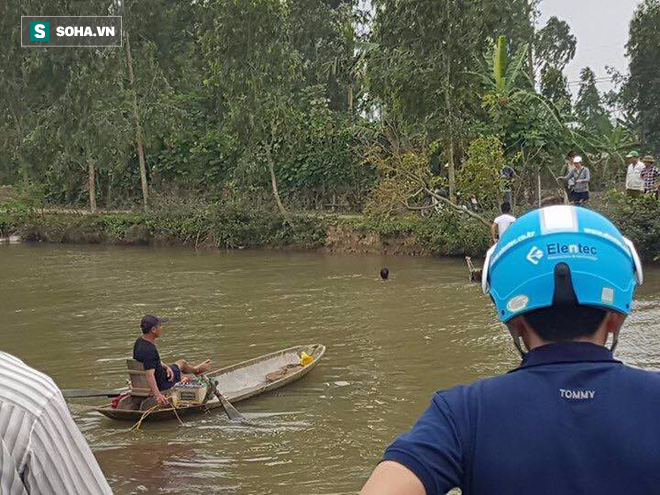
x=561, y=255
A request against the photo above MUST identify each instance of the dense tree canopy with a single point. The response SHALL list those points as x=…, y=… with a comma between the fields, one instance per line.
x=283, y=102
x=642, y=91
x=589, y=105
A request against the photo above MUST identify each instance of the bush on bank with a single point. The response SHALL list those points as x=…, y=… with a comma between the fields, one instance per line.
x=445, y=233
x=217, y=226
x=229, y=226
x=221, y=225
x=637, y=218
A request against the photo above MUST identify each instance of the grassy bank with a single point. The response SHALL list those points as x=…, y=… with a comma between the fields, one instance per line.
x=222, y=226
x=226, y=227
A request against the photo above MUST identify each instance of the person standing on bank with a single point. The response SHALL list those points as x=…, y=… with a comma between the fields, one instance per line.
x=650, y=175
x=580, y=176
x=571, y=418
x=160, y=376
x=502, y=223
x=41, y=449
x=634, y=181
x=568, y=168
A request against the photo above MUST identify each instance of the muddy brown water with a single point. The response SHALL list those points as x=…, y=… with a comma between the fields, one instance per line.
x=73, y=312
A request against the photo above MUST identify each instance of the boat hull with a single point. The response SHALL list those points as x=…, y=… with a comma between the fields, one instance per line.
x=237, y=383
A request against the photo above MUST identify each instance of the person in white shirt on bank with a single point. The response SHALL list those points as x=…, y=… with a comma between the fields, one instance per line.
x=503, y=222
x=634, y=180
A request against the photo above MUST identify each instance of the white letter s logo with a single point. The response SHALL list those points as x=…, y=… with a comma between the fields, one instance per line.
x=40, y=31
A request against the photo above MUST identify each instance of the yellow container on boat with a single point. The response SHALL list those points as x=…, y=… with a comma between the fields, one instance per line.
x=305, y=358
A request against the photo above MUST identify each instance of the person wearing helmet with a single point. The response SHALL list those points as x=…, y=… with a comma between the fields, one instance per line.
x=571, y=418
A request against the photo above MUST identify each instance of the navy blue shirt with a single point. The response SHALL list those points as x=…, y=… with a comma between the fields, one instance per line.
x=570, y=419
x=147, y=353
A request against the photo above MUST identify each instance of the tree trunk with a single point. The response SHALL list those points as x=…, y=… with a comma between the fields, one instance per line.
x=530, y=48
x=138, y=128
x=24, y=172
x=92, y=185
x=350, y=98
x=273, y=183
x=21, y=161
x=108, y=192
x=461, y=209
x=448, y=108
x=530, y=62
x=538, y=179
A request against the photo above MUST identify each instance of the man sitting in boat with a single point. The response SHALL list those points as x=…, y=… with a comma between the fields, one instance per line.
x=160, y=376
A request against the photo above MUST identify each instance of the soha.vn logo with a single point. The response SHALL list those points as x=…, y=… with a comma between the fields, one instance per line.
x=40, y=31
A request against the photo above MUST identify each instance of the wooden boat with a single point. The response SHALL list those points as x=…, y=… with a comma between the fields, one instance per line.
x=238, y=382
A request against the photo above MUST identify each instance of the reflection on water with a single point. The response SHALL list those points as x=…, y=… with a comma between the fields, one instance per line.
x=73, y=312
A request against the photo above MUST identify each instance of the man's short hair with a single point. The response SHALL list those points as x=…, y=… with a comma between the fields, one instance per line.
x=149, y=322
x=506, y=207
x=565, y=323
x=571, y=154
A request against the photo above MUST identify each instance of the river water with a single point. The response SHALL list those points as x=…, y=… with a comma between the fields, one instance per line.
x=73, y=312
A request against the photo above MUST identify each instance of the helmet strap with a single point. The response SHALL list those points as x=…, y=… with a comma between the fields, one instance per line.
x=615, y=341
x=516, y=340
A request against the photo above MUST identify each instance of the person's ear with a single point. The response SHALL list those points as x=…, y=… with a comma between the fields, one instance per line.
x=613, y=321
x=519, y=324
x=523, y=327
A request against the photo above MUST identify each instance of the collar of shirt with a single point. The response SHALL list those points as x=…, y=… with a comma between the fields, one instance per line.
x=567, y=352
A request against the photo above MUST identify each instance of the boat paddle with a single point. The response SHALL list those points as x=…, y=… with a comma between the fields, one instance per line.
x=232, y=412
x=77, y=393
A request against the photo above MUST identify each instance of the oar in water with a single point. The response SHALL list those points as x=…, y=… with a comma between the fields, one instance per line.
x=90, y=392
x=232, y=412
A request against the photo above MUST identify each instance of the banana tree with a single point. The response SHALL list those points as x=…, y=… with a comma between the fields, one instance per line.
x=523, y=119
x=501, y=78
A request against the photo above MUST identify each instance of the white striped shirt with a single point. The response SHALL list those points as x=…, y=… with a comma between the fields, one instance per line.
x=41, y=449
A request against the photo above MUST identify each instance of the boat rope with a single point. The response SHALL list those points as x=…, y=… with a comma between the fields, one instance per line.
x=174, y=408
x=146, y=413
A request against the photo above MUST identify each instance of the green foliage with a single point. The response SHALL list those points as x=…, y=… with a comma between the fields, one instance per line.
x=196, y=159
x=589, y=105
x=642, y=89
x=480, y=176
x=216, y=225
x=527, y=123
x=402, y=177
x=554, y=48
x=447, y=233
x=12, y=213
x=554, y=45
x=421, y=72
x=637, y=218
x=501, y=79
x=554, y=87
x=312, y=90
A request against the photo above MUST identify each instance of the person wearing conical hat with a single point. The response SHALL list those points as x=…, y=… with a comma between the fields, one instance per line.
x=651, y=175
x=634, y=181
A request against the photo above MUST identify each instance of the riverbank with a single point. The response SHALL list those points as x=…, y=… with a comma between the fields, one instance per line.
x=220, y=226
x=447, y=233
